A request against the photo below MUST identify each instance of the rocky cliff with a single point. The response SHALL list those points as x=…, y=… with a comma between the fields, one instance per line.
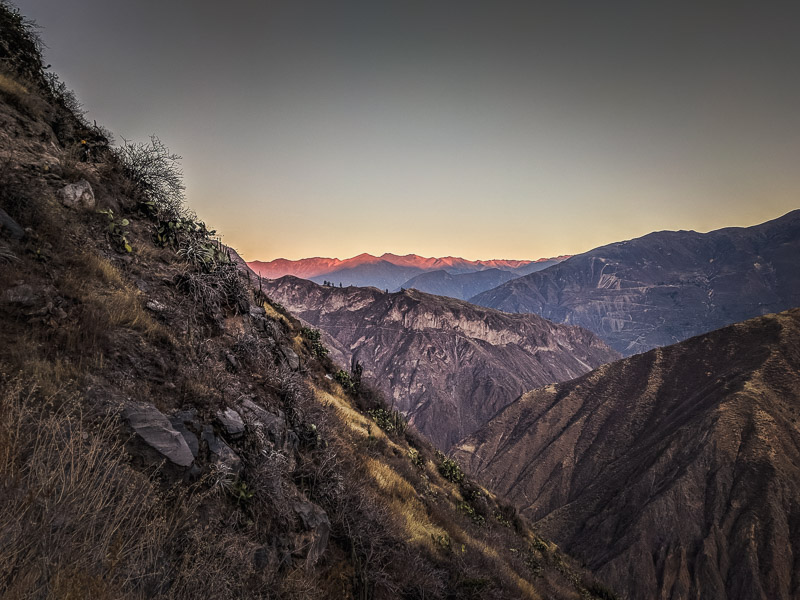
x=674, y=473
x=666, y=286
x=446, y=364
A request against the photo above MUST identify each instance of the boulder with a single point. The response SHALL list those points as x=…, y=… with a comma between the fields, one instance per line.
x=290, y=358
x=154, y=429
x=231, y=422
x=222, y=454
x=9, y=227
x=77, y=195
x=180, y=421
x=318, y=528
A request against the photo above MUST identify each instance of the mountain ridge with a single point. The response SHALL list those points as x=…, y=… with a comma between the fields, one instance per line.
x=672, y=473
x=666, y=286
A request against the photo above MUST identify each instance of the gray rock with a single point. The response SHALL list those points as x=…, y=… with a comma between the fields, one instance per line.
x=10, y=228
x=291, y=358
x=233, y=364
x=273, y=425
x=77, y=195
x=179, y=422
x=23, y=295
x=231, y=422
x=155, y=306
x=155, y=430
x=222, y=454
x=257, y=311
x=318, y=528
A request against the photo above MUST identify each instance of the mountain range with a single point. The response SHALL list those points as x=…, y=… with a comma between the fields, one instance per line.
x=392, y=272
x=666, y=286
x=672, y=474
x=447, y=365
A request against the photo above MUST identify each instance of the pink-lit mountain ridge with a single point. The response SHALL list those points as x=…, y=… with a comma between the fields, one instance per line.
x=390, y=271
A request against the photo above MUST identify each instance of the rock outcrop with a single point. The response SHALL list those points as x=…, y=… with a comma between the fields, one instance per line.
x=673, y=474
x=77, y=195
x=446, y=364
x=666, y=286
x=154, y=429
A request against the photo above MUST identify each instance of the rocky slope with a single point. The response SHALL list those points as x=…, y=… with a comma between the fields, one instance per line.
x=167, y=432
x=675, y=473
x=667, y=286
x=446, y=364
x=388, y=271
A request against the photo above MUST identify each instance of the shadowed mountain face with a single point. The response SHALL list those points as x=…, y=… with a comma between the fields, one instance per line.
x=463, y=286
x=673, y=474
x=391, y=272
x=466, y=285
x=446, y=364
x=667, y=286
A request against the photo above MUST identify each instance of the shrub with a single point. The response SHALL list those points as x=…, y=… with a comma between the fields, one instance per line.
x=390, y=421
x=416, y=458
x=342, y=377
x=468, y=510
x=116, y=231
x=156, y=175
x=449, y=469
x=314, y=339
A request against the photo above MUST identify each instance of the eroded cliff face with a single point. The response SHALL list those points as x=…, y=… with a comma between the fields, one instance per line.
x=673, y=474
x=447, y=364
x=666, y=286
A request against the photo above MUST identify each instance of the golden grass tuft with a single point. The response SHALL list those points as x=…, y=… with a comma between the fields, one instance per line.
x=12, y=87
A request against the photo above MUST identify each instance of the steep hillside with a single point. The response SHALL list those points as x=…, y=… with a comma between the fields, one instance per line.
x=673, y=474
x=446, y=364
x=168, y=432
x=667, y=286
x=389, y=271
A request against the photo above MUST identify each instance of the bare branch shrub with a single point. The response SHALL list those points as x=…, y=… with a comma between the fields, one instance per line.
x=156, y=174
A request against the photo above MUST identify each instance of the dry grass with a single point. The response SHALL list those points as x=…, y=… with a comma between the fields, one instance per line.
x=274, y=314
x=107, y=302
x=75, y=519
x=12, y=87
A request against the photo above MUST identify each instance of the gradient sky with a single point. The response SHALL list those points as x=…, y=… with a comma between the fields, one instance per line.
x=476, y=129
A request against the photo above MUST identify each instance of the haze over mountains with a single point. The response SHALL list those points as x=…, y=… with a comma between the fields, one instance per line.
x=446, y=364
x=666, y=286
x=391, y=272
x=672, y=474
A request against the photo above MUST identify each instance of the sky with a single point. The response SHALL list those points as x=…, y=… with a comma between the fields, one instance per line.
x=474, y=129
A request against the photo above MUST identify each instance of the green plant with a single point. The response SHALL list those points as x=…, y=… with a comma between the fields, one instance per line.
x=342, y=377
x=416, y=458
x=314, y=339
x=468, y=510
x=502, y=519
x=390, y=421
x=240, y=492
x=443, y=541
x=449, y=469
x=116, y=231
